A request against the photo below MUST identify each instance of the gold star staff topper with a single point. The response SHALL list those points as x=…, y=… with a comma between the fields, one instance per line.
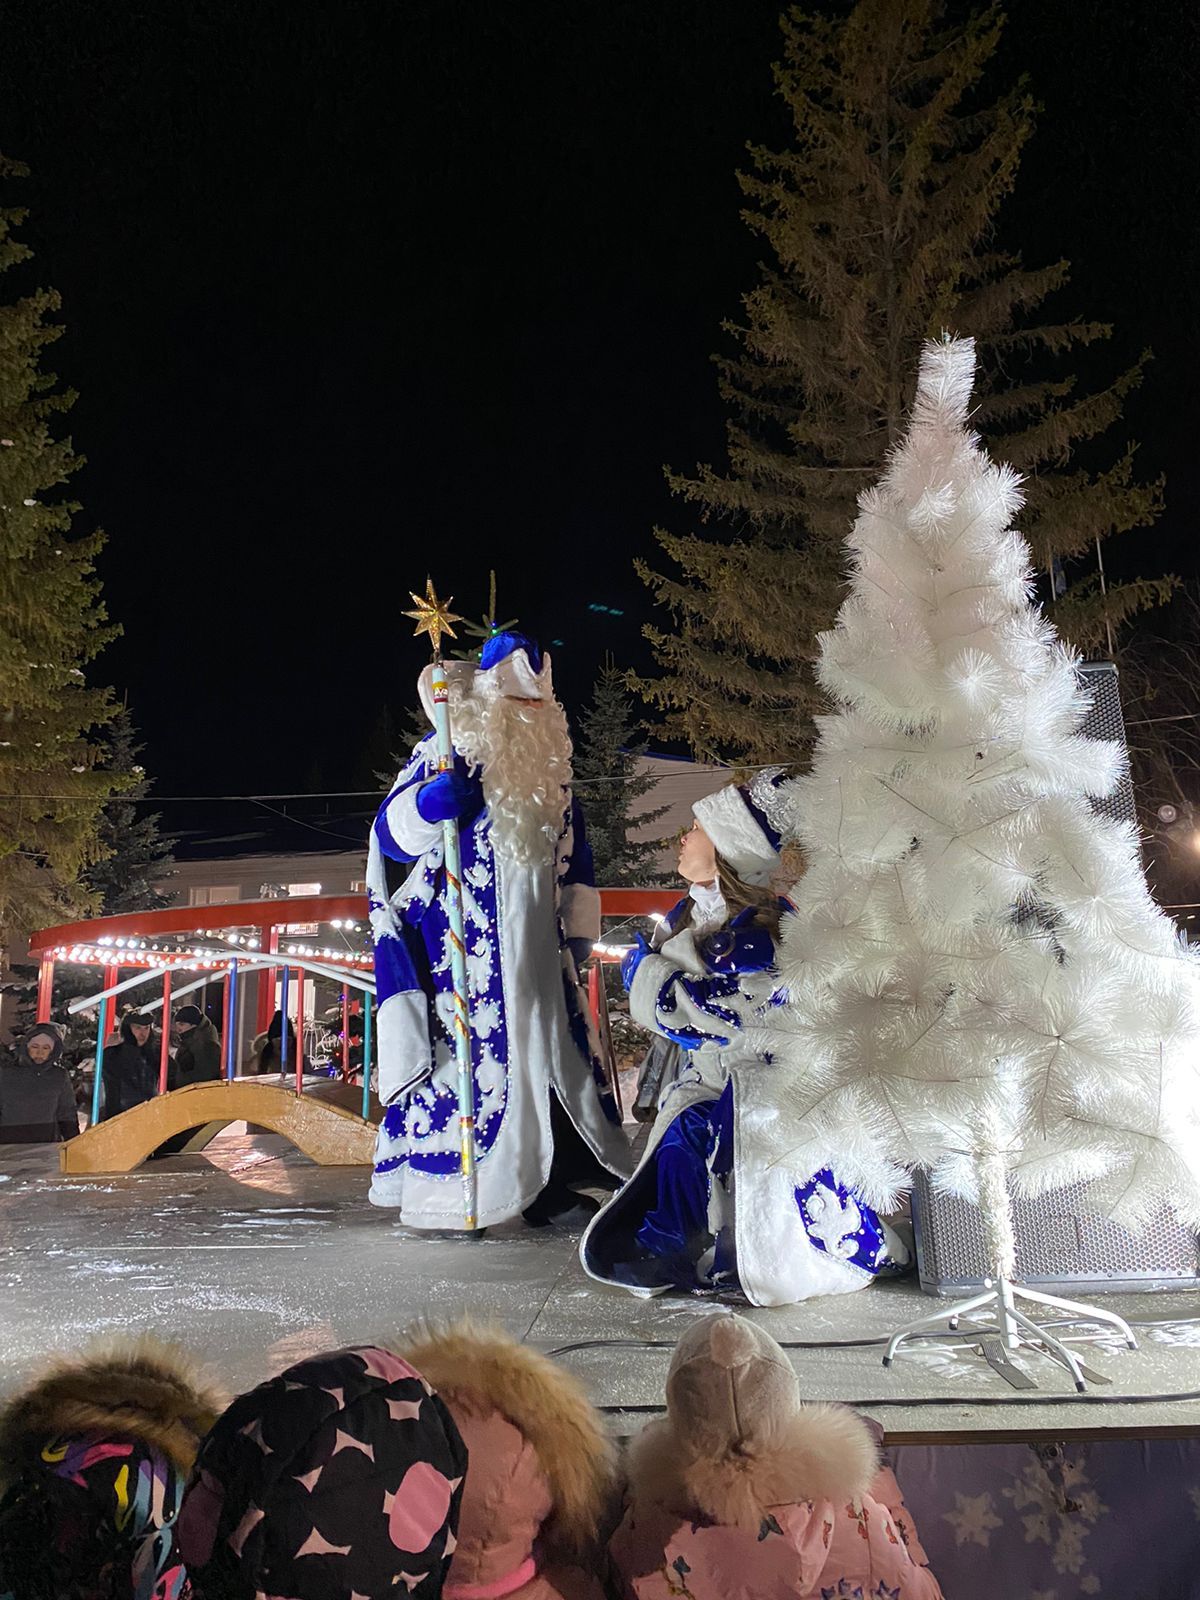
x=433, y=616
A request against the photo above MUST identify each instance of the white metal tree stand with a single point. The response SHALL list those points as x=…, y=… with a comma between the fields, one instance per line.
x=997, y=1300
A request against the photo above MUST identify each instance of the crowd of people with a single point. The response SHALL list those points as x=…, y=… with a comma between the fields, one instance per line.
x=41, y=1097
x=456, y=1463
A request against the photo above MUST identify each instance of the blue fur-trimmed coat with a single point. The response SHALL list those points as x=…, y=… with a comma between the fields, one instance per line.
x=531, y=1033
x=780, y=1236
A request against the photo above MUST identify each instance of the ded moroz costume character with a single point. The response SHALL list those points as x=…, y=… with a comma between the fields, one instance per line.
x=531, y=912
x=705, y=1209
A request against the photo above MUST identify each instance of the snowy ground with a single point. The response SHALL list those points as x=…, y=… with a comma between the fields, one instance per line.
x=252, y=1257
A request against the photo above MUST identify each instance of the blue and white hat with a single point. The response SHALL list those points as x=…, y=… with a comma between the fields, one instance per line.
x=517, y=666
x=746, y=824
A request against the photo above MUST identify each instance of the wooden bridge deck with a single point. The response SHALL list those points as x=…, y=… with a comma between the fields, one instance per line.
x=327, y=1133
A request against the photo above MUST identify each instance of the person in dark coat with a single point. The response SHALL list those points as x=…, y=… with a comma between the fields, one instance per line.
x=131, y=1067
x=37, y=1100
x=267, y=1055
x=198, y=1059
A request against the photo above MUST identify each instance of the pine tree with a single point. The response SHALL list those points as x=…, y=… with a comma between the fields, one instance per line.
x=52, y=622
x=137, y=856
x=609, y=786
x=980, y=981
x=879, y=222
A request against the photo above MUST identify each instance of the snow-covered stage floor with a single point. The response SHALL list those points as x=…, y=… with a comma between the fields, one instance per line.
x=253, y=1257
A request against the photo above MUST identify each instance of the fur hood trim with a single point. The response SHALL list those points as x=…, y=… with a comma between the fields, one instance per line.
x=482, y=1370
x=824, y=1452
x=137, y=1389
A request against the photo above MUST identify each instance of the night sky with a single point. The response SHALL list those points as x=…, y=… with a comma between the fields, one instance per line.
x=359, y=290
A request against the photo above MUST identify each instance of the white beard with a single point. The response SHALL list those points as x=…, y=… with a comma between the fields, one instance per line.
x=524, y=753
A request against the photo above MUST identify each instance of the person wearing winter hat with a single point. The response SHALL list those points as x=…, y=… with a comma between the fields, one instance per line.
x=743, y=1491
x=707, y=1208
x=131, y=1068
x=198, y=1058
x=340, y=1478
x=540, y=1469
x=94, y=1456
x=37, y=1100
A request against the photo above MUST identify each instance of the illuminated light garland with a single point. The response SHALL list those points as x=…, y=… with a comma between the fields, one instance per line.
x=101, y=954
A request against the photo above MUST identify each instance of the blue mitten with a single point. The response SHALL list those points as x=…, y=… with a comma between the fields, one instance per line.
x=453, y=795
x=633, y=958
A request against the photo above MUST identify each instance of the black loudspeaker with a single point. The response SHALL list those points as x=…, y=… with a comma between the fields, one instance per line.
x=1105, y=721
x=1058, y=1245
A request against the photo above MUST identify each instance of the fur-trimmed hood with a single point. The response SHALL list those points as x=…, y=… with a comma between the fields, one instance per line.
x=131, y=1389
x=485, y=1378
x=738, y=1439
x=752, y=1492
x=823, y=1452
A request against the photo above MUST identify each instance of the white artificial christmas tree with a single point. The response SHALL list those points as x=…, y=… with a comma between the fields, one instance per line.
x=982, y=984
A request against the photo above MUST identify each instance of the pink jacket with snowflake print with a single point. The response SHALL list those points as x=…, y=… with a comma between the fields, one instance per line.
x=852, y=1540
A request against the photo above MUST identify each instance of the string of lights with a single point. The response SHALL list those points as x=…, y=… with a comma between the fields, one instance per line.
x=135, y=953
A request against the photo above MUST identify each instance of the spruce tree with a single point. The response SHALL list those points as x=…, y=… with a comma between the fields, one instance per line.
x=609, y=787
x=879, y=221
x=52, y=622
x=137, y=856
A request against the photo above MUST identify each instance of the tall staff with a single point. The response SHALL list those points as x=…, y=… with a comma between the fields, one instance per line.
x=433, y=616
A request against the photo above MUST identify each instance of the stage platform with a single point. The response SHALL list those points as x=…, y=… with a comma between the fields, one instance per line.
x=252, y=1256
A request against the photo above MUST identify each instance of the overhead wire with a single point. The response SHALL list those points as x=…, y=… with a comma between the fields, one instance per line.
x=688, y=771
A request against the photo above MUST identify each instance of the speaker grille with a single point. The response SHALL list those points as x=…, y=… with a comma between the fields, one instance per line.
x=1104, y=721
x=1057, y=1242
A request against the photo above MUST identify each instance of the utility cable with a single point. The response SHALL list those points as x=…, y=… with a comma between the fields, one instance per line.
x=935, y=1340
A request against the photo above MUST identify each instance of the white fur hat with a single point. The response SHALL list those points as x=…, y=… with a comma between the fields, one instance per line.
x=745, y=824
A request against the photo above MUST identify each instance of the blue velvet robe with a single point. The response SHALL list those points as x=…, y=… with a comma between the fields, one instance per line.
x=704, y=1209
x=531, y=1034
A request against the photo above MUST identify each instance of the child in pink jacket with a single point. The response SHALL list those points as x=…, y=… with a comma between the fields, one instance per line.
x=539, y=1469
x=742, y=1492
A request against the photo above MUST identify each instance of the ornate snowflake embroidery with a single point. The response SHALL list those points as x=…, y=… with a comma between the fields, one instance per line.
x=972, y=1519
x=1060, y=1508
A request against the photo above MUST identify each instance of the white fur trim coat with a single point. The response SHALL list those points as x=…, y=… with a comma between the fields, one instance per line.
x=795, y=1235
x=810, y=1515
x=531, y=1033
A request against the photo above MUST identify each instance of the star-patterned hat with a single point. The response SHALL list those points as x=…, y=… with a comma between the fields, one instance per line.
x=341, y=1478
